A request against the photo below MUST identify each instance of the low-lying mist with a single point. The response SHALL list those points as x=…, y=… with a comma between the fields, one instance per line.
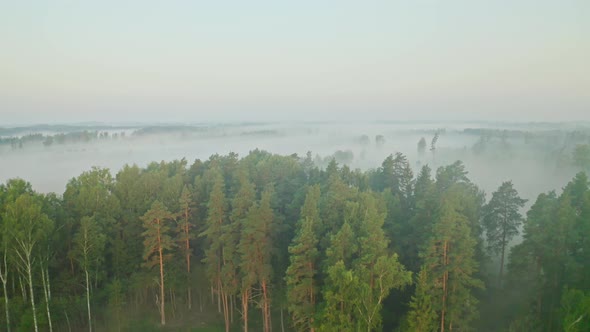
x=537, y=158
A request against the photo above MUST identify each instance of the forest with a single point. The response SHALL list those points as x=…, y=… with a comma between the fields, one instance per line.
x=277, y=242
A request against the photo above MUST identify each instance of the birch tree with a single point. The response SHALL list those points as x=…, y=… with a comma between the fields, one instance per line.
x=89, y=244
x=28, y=227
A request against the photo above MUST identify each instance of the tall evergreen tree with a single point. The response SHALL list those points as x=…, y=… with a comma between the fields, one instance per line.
x=157, y=244
x=422, y=317
x=185, y=235
x=502, y=220
x=213, y=233
x=412, y=240
x=301, y=274
x=256, y=248
x=449, y=264
x=241, y=204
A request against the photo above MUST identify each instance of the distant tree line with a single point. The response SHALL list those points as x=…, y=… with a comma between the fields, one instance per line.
x=61, y=138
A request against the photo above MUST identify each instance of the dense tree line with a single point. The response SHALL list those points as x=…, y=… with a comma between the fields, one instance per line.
x=274, y=242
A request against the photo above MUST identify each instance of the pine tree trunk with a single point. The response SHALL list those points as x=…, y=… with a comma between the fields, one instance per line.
x=311, y=300
x=265, y=307
x=502, y=259
x=219, y=291
x=231, y=309
x=225, y=312
x=188, y=260
x=171, y=301
x=212, y=295
x=245, y=297
x=444, y=285
x=190, y=301
x=503, y=246
x=162, y=291
x=200, y=301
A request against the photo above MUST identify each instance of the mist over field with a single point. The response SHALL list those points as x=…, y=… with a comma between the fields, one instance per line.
x=530, y=165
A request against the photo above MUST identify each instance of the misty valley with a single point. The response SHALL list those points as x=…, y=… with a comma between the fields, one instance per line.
x=319, y=226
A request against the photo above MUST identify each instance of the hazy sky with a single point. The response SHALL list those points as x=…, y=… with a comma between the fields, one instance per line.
x=295, y=60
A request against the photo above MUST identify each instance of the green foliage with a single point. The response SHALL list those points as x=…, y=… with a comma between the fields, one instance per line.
x=360, y=270
x=213, y=232
x=89, y=244
x=335, y=247
x=301, y=274
x=502, y=220
x=502, y=217
x=450, y=265
x=255, y=248
x=575, y=310
x=422, y=317
x=157, y=239
x=115, y=303
x=553, y=253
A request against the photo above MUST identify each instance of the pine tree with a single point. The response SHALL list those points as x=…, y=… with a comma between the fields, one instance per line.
x=528, y=261
x=185, y=235
x=420, y=226
x=241, y=204
x=502, y=220
x=213, y=232
x=422, y=317
x=157, y=243
x=256, y=248
x=449, y=264
x=339, y=295
x=301, y=273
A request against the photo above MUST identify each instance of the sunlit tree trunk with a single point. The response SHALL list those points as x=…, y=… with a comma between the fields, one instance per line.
x=265, y=306
x=162, y=292
x=245, y=300
x=224, y=299
x=156, y=241
x=444, y=289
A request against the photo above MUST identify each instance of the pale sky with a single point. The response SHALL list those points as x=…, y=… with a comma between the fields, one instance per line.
x=199, y=61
